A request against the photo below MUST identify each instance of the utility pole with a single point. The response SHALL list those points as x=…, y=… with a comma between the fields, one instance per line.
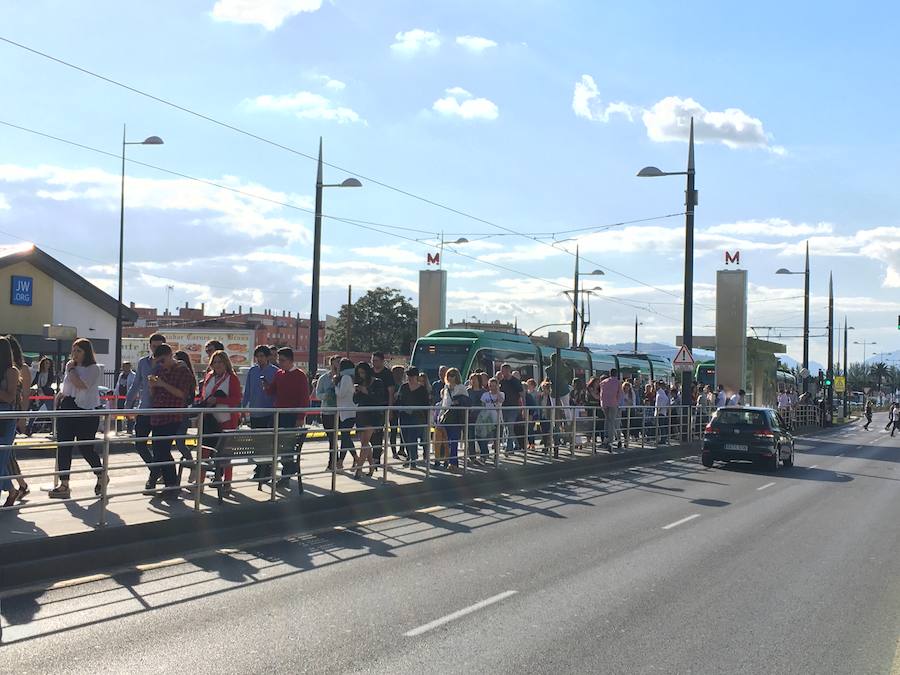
x=806, y=320
x=575, y=304
x=846, y=384
x=349, y=317
x=635, y=334
x=829, y=393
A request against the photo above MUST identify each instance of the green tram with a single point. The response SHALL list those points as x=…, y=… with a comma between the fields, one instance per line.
x=705, y=374
x=471, y=350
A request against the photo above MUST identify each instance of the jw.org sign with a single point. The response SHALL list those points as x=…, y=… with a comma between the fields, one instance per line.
x=21, y=291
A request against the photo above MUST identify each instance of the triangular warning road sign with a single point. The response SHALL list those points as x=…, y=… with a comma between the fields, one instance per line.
x=683, y=357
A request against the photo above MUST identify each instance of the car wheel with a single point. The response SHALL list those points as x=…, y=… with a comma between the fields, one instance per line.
x=706, y=460
x=789, y=462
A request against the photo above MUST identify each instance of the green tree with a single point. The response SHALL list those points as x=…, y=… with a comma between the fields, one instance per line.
x=879, y=371
x=381, y=320
x=857, y=377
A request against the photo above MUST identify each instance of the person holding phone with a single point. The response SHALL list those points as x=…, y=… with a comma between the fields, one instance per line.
x=220, y=389
x=140, y=393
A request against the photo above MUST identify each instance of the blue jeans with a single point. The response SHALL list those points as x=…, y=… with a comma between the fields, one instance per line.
x=413, y=435
x=453, y=431
x=510, y=415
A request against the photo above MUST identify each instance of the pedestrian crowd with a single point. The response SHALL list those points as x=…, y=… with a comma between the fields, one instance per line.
x=367, y=409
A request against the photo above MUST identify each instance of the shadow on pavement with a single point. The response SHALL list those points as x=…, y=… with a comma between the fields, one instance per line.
x=132, y=592
x=795, y=472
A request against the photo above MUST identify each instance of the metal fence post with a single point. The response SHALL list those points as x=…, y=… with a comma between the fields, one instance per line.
x=335, y=452
x=275, y=434
x=199, y=479
x=429, y=442
x=552, y=439
x=465, y=441
x=574, y=430
x=384, y=444
x=594, y=431
x=498, y=412
x=56, y=451
x=104, y=476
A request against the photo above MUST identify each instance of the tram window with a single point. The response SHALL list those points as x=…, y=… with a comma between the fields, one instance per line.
x=490, y=360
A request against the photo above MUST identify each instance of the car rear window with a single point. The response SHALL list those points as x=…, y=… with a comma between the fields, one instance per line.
x=750, y=418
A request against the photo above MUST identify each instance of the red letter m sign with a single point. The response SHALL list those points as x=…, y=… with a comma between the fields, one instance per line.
x=434, y=259
x=736, y=258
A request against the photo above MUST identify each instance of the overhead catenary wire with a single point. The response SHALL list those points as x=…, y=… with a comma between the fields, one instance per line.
x=299, y=153
x=366, y=225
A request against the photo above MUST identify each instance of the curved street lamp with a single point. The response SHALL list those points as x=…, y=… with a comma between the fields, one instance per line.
x=150, y=140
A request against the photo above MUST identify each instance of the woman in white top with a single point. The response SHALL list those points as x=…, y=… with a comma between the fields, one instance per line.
x=452, y=412
x=79, y=392
x=343, y=393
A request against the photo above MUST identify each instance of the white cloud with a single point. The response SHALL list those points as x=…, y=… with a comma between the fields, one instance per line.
x=458, y=91
x=305, y=105
x=669, y=120
x=397, y=254
x=475, y=43
x=235, y=212
x=4, y=203
x=459, y=103
x=269, y=14
x=330, y=83
x=772, y=227
x=413, y=41
x=586, y=103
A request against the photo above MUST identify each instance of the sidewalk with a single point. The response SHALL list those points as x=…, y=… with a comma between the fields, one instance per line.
x=40, y=517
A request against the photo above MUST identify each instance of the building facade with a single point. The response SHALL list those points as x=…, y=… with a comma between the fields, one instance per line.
x=44, y=291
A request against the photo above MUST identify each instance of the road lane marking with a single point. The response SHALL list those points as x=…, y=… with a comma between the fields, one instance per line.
x=680, y=522
x=767, y=485
x=458, y=614
x=814, y=466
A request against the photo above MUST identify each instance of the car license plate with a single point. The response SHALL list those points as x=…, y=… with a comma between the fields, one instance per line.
x=736, y=446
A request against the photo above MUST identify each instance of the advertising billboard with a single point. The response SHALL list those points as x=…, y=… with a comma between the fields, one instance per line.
x=239, y=345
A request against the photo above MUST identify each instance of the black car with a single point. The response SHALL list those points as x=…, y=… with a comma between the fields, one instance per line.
x=748, y=434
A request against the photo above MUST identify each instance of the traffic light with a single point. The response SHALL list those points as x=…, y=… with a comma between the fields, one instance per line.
x=821, y=378
x=828, y=381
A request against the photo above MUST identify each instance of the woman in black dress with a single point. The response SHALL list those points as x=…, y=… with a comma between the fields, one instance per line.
x=368, y=392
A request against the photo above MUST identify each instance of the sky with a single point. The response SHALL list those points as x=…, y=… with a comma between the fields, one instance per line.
x=518, y=125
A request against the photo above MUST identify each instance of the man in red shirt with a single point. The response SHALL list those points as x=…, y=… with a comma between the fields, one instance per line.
x=169, y=388
x=290, y=387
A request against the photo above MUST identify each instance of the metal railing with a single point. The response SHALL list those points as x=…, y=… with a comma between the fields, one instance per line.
x=469, y=438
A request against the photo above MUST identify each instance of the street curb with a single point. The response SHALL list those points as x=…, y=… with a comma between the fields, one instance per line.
x=68, y=556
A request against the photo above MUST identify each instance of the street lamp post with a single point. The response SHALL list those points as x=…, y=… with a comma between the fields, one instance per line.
x=864, y=343
x=846, y=379
x=830, y=370
x=636, y=324
x=317, y=260
x=150, y=140
x=805, y=274
x=690, y=201
x=575, y=296
x=585, y=318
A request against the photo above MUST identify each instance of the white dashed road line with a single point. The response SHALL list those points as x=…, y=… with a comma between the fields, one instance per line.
x=767, y=485
x=459, y=614
x=680, y=522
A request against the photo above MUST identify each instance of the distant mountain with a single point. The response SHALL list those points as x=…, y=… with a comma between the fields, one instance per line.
x=649, y=348
x=791, y=362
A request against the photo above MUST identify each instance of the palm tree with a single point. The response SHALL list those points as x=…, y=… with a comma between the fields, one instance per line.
x=857, y=377
x=879, y=371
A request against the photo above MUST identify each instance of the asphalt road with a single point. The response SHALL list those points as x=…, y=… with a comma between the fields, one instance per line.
x=667, y=568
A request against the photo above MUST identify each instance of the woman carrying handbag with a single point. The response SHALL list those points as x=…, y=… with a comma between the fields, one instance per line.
x=220, y=389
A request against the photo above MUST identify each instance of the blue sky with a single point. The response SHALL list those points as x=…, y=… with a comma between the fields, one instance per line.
x=533, y=116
